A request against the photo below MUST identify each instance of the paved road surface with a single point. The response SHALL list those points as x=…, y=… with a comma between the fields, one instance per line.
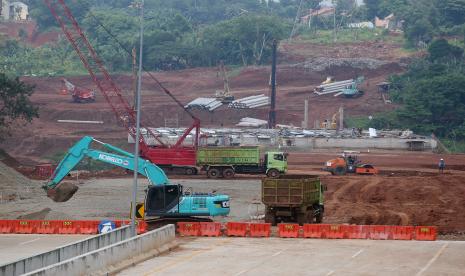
x=14, y=247
x=274, y=256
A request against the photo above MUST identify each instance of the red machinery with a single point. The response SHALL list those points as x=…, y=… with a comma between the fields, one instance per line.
x=79, y=94
x=175, y=156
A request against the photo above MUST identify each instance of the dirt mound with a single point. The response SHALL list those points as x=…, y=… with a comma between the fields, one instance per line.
x=14, y=185
x=410, y=200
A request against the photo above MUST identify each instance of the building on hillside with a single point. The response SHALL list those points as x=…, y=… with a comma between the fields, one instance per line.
x=4, y=9
x=18, y=11
x=390, y=22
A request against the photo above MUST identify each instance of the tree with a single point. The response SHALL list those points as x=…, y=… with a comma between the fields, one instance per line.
x=372, y=7
x=453, y=11
x=441, y=50
x=15, y=103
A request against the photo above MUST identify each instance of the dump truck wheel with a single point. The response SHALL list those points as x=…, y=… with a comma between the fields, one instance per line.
x=189, y=171
x=340, y=171
x=319, y=218
x=213, y=173
x=273, y=173
x=228, y=173
x=301, y=219
x=270, y=218
x=317, y=214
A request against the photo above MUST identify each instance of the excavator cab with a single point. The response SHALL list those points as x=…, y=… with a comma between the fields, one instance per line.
x=161, y=200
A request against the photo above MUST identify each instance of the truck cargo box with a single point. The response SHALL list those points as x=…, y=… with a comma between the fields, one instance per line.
x=291, y=190
x=228, y=156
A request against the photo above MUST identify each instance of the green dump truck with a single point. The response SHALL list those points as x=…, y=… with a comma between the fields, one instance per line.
x=293, y=198
x=227, y=161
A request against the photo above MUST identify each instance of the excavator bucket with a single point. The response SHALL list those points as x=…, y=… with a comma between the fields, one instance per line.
x=63, y=192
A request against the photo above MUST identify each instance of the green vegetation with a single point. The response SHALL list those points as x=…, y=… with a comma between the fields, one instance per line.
x=431, y=94
x=454, y=146
x=14, y=103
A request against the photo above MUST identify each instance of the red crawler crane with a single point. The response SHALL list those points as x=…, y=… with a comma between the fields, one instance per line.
x=175, y=156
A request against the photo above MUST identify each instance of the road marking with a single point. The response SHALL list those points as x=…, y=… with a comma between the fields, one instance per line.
x=262, y=262
x=26, y=242
x=179, y=260
x=358, y=253
x=185, y=258
x=435, y=257
x=240, y=273
x=330, y=273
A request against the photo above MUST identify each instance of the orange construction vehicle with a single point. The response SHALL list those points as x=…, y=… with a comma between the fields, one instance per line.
x=348, y=163
x=79, y=94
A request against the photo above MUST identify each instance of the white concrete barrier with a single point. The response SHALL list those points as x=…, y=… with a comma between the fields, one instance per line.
x=115, y=257
x=65, y=252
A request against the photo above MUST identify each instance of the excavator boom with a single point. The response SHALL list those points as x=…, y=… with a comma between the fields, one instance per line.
x=162, y=199
x=83, y=149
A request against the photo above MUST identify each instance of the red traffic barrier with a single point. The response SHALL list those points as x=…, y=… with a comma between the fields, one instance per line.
x=355, y=231
x=260, y=229
x=314, y=230
x=140, y=224
x=334, y=231
x=380, y=232
x=288, y=230
x=67, y=227
x=426, y=233
x=46, y=227
x=26, y=227
x=402, y=232
x=7, y=226
x=210, y=229
x=236, y=229
x=141, y=227
x=189, y=229
x=88, y=227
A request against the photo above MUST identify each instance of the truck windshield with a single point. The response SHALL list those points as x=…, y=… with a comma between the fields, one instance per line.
x=279, y=157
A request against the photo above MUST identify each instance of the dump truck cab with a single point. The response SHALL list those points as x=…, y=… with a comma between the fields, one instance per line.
x=275, y=163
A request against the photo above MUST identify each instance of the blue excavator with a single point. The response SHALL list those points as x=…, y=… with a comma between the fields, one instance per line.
x=162, y=200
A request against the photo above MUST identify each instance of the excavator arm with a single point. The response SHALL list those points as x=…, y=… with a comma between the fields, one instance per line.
x=120, y=158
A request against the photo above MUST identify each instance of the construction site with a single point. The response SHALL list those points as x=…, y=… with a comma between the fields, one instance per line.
x=241, y=171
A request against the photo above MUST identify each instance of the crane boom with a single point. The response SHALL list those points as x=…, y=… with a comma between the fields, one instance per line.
x=94, y=65
x=177, y=155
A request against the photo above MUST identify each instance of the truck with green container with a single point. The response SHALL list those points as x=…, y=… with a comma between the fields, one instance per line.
x=227, y=161
x=293, y=198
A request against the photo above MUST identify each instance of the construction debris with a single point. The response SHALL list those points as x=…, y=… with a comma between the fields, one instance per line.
x=251, y=102
x=209, y=104
x=335, y=87
x=80, y=122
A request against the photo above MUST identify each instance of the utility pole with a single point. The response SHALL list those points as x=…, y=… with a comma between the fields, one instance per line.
x=134, y=76
x=334, y=19
x=136, y=147
x=272, y=113
x=295, y=21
